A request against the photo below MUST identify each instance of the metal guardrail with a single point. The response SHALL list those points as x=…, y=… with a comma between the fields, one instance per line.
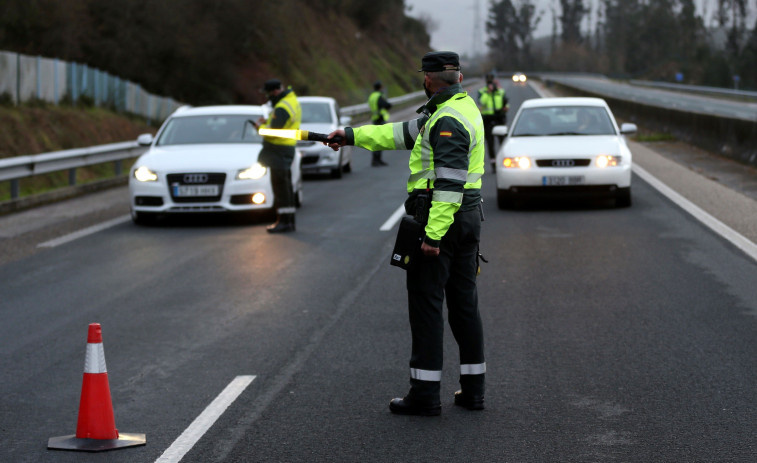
x=19, y=167
x=694, y=88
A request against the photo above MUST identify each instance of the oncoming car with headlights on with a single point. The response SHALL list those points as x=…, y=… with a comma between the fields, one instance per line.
x=564, y=148
x=321, y=114
x=204, y=159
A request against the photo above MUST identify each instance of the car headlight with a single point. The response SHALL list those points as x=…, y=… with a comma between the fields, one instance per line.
x=143, y=174
x=521, y=162
x=522, y=78
x=603, y=161
x=252, y=173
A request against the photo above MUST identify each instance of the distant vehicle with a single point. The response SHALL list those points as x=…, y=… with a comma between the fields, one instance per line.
x=204, y=159
x=564, y=147
x=519, y=78
x=321, y=114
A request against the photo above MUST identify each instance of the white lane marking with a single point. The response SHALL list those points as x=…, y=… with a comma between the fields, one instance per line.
x=736, y=238
x=389, y=224
x=202, y=423
x=84, y=232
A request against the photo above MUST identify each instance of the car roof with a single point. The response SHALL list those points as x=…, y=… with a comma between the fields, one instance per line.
x=564, y=101
x=218, y=110
x=324, y=99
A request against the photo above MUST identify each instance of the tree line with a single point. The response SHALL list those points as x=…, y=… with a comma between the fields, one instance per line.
x=645, y=39
x=220, y=51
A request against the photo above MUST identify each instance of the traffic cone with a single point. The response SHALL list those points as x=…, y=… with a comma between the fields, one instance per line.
x=96, y=426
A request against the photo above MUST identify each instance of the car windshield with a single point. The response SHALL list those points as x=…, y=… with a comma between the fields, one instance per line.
x=316, y=112
x=563, y=120
x=188, y=130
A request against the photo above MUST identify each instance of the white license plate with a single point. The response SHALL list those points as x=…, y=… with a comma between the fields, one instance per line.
x=562, y=180
x=195, y=190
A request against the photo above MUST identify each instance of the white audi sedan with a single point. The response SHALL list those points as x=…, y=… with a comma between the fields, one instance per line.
x=321, y=114
x=204, y=159
x=564, y=148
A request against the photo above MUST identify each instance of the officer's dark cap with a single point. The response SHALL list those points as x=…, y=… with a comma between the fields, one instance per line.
x=437, y=61
x=272, y=84
x=377, y=85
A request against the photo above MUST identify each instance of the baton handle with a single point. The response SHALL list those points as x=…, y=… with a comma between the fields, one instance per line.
x=314, y=136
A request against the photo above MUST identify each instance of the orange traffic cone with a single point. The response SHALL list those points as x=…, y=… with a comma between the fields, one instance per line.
x=96, y=427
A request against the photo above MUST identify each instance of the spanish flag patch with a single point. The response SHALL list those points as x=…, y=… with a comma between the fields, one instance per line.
x=445, y=134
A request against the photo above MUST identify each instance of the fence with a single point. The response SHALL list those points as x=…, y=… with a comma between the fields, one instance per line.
x=26, y=78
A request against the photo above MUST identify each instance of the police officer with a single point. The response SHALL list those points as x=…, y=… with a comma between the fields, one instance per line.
x=447, y=158
x=278, y=153
x=379, y=115
x=493, y=103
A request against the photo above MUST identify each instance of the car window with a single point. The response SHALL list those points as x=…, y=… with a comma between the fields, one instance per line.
x=235, y=128
x=316, y=112
x=563, y=120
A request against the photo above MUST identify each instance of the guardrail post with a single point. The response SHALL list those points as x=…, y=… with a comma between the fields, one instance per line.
x=15, y=189
x=72, y=176
x=118, y=168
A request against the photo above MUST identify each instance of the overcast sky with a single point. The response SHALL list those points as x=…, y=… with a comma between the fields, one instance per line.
x=455, y=21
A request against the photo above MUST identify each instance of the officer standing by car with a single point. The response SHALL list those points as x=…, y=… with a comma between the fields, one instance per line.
x=493, y=103
x=447, y=159
x=379, y=115
x=278, y=153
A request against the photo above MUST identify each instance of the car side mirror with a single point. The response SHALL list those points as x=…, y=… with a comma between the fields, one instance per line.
x=628, y=128
x=499, y=130
x=345, y=120
x=145, y=139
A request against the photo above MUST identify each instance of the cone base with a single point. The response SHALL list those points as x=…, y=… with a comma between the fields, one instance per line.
x=95, y=445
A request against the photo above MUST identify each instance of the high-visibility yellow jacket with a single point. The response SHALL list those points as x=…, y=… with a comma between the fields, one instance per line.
x=379, y=107
x=447, y=155
x=491, y=102
x=279, y=152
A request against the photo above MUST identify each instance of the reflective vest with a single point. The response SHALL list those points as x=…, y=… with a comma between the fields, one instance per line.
x=415, y=134
x=376, y=112
x=290, y=104
x=491, y=102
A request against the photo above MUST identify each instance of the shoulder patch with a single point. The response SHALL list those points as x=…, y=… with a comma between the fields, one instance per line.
x=445, y=133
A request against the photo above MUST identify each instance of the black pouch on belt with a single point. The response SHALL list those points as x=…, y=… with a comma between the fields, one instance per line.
x=407, y=247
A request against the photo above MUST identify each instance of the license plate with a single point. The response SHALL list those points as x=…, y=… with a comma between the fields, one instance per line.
x=562, y=180
x=195, y=190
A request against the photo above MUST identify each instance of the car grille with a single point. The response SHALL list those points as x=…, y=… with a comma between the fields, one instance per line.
x=563, y=162
x=195, y=179
x=311, y=159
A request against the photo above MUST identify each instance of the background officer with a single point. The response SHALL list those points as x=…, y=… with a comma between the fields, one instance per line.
x=379, y=115
x=278, y=153
x=493, y=103
x=447, y=158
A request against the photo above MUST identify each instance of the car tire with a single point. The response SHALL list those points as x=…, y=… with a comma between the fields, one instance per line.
x=143, y=218
x=623, y=197
x=298, y=197
x=348, y=166
x=505, y=199
x=337, y=171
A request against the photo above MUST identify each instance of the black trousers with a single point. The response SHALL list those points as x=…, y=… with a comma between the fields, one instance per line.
x=451, y=274
x=281, y=182
x=490, y=120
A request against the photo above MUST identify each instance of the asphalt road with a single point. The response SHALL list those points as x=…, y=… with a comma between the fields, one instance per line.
x=625, y=335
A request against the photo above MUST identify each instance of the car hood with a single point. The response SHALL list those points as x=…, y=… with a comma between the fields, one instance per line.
x=563, y=145
x=203, y=157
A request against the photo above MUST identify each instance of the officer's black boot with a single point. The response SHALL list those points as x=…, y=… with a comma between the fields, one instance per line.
x=423, y=400
x=471, y=394
x=284, y=223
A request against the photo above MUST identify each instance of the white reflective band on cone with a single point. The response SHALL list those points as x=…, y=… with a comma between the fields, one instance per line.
x=94, y=362
x=425, y=375
x=473, y=369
